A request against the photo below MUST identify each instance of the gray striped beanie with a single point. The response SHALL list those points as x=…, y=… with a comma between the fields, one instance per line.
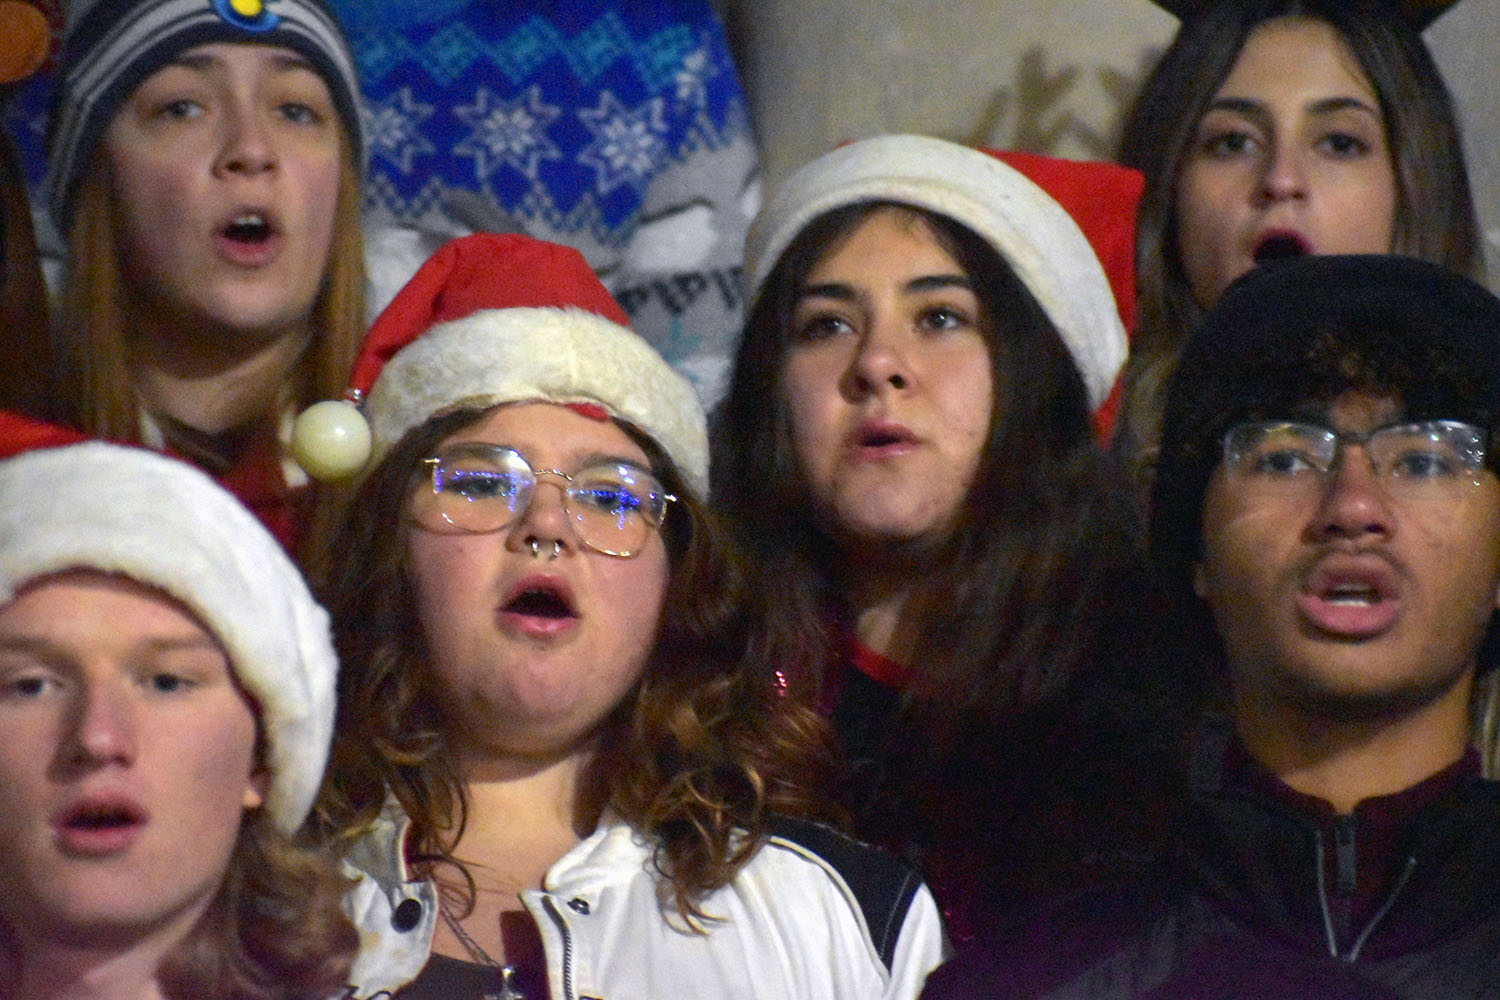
x=110, y=46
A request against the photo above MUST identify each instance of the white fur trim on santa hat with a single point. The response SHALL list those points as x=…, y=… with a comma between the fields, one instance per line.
x=546, y=354
x=1032, y=233
x=165, y=524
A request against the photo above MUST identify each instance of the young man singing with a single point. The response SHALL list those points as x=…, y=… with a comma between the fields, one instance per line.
x=1326, y=505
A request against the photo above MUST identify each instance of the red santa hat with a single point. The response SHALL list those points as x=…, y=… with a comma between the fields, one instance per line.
x=1066, y=228
x=493, y=319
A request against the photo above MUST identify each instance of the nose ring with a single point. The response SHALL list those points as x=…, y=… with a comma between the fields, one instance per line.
x=536, y=549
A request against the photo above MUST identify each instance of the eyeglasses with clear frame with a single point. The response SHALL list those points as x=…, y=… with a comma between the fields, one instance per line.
x=1425, y=460
x=477, y=488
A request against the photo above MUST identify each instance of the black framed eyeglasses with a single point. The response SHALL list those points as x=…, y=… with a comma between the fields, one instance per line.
x=476, y=488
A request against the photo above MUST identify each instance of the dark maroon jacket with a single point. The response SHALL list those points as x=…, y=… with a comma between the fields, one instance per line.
x=1267, y=896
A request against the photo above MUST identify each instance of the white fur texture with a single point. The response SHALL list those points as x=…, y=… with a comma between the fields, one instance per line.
x=1032, y=233
x=165, y=524
x=544, y=354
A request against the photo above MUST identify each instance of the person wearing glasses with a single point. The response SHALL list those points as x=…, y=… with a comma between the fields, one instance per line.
x=1327, y=505
x=559, y=770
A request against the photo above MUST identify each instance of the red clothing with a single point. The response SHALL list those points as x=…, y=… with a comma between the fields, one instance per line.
x=260, y=484
x=852, y=653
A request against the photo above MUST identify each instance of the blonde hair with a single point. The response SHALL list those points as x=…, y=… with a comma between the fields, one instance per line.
x=92, y=372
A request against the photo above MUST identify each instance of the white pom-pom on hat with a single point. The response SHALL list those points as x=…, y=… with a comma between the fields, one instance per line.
x=493, y=319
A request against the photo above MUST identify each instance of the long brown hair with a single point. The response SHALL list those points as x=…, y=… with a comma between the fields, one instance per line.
x=702, y=755
x=1435, y=218
x=1039, y=576
x=94, y=385
x=1036, y=525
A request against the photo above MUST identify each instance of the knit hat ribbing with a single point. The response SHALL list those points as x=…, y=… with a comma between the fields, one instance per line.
x=163, y=523
x=1035, y=235
x=110, y=46
x=493, y=319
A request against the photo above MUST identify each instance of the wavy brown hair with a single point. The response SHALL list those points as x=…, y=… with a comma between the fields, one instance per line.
x=702, y=755
x=1029, y=658
x=1435, y=218
x=94, y=387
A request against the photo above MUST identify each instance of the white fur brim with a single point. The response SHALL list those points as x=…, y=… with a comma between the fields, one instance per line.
x=165, y=524
x=568, y=355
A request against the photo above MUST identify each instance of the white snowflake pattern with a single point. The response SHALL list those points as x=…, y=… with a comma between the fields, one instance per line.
x=691, y=89
x=627, y=144
x=395, y=128
x=513, y=132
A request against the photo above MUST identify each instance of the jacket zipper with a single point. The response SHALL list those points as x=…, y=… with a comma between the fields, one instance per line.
x=1390, y=900
x=567, y=940
x=1345, y=857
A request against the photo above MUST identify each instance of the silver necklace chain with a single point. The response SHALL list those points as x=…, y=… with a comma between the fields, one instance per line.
x=506, y=974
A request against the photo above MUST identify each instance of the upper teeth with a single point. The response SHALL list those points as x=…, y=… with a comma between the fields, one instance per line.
x=1352, y=594
x=249, y=220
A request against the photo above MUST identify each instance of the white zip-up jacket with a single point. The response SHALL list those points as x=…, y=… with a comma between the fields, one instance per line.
x=813, y=916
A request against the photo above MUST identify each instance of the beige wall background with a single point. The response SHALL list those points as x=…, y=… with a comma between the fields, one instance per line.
x=1049, y=76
